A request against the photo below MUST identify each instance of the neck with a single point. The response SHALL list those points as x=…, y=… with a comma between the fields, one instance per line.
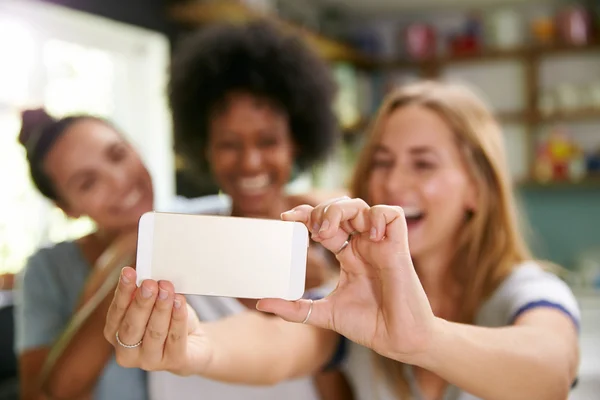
x=434, y=271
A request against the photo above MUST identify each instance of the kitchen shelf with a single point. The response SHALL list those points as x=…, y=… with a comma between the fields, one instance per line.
x=518, y=54
x=199, y=13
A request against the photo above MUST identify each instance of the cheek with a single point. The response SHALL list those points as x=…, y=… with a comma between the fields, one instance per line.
x=92, y=205
x=221, y=162
x=446, y=191
x=282, y=160
x=376, y=188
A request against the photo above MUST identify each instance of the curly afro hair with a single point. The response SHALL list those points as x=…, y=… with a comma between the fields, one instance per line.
x=258, y=59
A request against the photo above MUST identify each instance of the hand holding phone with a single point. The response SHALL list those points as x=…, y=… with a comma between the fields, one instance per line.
x=223, y=256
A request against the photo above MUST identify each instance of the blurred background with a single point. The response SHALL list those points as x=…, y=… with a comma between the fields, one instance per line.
x=537, y=63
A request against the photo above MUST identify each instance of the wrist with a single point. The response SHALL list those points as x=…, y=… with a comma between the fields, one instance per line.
x=200, y=357
x=433, y=351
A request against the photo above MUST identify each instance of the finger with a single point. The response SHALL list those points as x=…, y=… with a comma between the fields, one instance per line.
x=133, y=326
x=153, y=344
x=176, y=342
x=120, y=303
x=317, y=213
x=389, y=222
x=297, y=311
x=298, y=214
x=333, y=233
x=351, y=210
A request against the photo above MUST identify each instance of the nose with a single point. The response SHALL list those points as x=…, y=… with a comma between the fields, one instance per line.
x=399, y=182
x=251, y=159
x=119, y=178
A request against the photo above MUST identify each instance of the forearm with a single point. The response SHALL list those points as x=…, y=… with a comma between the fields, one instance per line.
x=80, y=355
x=515, y=362
x=257, y=349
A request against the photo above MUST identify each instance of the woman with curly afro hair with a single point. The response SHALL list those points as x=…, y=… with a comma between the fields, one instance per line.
x=249, y=106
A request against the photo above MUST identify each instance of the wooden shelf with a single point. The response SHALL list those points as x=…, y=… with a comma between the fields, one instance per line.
x=198, y=13
x=558, y=49
x=591, y=182
x=538, y=119
x=570, y=116
x=511, y=117
x=483, y=56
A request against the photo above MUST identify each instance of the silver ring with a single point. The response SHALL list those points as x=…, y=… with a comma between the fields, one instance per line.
x=346, y=243
x=309, y=311
x=127, y=346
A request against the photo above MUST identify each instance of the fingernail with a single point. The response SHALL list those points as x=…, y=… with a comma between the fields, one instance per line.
x=324, y=226
x=162, y=294
x=373, y=233
x=315, y=227
x=177, y=303
x=258, y=306
x=125, y=279
x=146, y=293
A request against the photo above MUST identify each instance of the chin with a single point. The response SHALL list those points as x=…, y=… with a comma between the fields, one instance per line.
x=415, y=246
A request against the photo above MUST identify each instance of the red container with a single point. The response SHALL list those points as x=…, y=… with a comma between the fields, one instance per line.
x=420, y=41
x=573, y=25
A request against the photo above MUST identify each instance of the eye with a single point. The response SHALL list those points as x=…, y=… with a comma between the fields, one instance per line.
x=87, y=184
x=268, y=142
x=227, y=145
x=118, y=152
x=424, y=164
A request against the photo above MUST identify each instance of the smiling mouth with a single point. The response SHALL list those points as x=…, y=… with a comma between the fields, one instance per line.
x=413, y=214
x=254, y=185
x=131, y=200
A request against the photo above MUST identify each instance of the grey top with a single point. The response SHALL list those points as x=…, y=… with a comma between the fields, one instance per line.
x=527, y=287
x=47, y=293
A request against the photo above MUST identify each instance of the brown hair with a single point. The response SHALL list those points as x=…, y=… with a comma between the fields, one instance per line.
x=484, y=256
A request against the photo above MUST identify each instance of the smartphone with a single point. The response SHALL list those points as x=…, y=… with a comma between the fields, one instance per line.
x=223, y=256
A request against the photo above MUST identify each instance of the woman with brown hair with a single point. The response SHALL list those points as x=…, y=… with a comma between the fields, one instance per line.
x=438, y=282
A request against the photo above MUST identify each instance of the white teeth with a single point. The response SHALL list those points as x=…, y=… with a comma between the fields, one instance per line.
x=258, y=182
x=131, y=199
x=411, y=212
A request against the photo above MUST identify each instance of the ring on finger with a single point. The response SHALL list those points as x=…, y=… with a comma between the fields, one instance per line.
x=127, y=346
x=344, y=245
x=309, y=311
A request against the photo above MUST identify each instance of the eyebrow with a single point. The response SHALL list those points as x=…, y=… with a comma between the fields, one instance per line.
x=419, y=150
x=381, y=149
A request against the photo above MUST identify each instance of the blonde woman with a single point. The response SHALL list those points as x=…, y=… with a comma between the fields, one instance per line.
x=438, y=290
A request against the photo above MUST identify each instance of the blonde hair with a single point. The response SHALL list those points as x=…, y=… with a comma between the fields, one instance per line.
x=491, y=243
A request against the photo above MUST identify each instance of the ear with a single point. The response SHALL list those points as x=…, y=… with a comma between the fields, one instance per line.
x=69, y=211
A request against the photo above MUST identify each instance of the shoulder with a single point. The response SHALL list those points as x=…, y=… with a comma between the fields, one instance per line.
x=531, y=285
x=531, y=279
x=51, y=261
x=46, y=289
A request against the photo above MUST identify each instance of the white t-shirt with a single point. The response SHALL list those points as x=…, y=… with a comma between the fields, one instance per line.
x=167, y=386
x=528, y=286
